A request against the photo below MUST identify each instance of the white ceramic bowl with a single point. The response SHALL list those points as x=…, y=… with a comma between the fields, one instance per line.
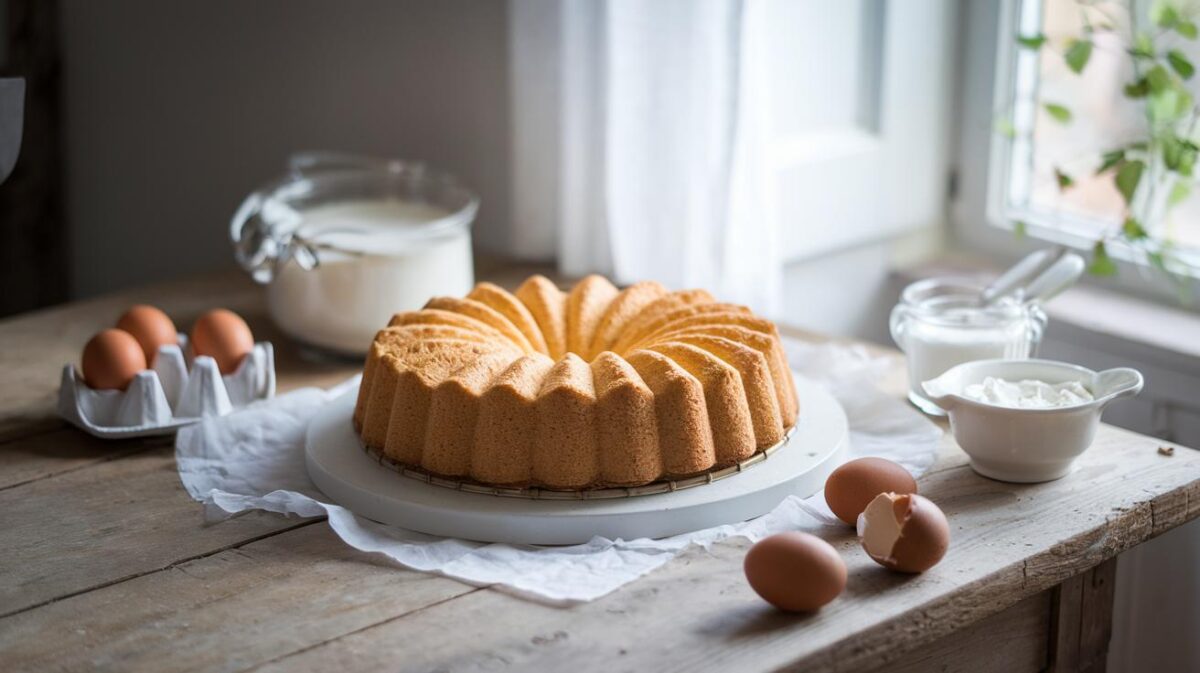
x=1027, y=445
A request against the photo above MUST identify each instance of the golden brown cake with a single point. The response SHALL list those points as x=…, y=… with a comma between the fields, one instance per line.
x=591, y=388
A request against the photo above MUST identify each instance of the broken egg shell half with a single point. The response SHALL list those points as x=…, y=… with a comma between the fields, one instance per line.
x=904, y=532
x=795, y=571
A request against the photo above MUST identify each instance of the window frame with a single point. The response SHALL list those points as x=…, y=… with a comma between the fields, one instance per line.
x=980, y=214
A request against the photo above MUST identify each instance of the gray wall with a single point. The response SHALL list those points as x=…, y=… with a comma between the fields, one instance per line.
x=175, y=111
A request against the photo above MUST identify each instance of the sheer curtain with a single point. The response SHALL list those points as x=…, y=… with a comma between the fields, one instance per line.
x=640, y=143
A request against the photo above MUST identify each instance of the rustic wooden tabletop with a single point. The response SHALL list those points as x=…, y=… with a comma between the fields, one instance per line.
x=107, y=563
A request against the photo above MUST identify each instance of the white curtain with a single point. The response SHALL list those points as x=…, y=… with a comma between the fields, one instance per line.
x=655, y=115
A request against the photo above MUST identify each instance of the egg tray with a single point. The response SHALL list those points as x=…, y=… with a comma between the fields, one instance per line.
x=177, y=391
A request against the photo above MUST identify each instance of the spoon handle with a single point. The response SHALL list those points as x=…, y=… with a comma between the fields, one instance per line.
x=1030, y=266
x=1058, y=277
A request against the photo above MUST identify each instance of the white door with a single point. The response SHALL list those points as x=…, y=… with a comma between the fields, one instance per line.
x=861, y=91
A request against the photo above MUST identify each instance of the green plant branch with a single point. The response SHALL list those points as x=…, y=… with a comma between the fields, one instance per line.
x=1165, y=159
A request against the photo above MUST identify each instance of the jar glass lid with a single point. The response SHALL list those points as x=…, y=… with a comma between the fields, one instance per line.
x=956, y=302
x=347, y=204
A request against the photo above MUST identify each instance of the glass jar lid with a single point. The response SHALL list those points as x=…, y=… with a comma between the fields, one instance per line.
x=955, y=302
x=268, y=229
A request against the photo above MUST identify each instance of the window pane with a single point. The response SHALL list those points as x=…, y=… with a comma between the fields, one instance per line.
x=1102, y=118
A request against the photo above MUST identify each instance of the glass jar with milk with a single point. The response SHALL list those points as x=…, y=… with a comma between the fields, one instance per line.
x=941, y=322
x=344, y=242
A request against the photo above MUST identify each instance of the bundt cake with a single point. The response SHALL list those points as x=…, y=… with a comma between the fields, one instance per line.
x=591, y=388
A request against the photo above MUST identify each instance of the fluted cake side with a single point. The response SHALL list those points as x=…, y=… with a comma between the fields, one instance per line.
x=590, y=388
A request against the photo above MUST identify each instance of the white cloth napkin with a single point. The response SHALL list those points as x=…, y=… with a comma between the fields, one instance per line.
x=254, y=459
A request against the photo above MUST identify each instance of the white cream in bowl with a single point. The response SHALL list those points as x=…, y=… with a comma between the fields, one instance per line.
x=1028, y=393
x=1027, y=420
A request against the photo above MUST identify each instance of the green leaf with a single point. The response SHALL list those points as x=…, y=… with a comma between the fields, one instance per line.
x=1137, y=89
x=1161, y=106
x=1159, y=79
x=1128, y=177
x=1187, y=159
x=1110, y=159
x=1181, y=64
x=1179, y=193
x=1031, y=41
x=1186, y=28
x=1060, y=112
x=1178, y=154
x=1102, y=264
x=1064, y=181
x=1005, y=128
x=1078, y=54
x=1169, y=105
x=1184, y=104
x=1020, y=228
x=1172, y=151
x=1133, y=230
x=1143, y=46
x=1163, y=14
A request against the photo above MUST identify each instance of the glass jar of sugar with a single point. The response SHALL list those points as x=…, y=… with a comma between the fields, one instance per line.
x=940, y=323
x=344, y=242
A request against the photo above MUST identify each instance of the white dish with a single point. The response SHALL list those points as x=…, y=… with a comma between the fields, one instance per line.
x=168, y=396
x=345, y=473
x=1027, y=445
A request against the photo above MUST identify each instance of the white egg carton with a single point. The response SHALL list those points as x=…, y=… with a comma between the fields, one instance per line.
x=174, y=393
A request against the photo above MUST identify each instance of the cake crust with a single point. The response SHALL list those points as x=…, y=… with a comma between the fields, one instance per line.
x=596, y=387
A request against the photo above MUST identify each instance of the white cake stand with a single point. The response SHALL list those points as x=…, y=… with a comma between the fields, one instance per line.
x=338, y=466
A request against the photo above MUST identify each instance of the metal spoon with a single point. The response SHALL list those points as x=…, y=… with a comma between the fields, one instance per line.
x=1019, y=274
x=1059, y=276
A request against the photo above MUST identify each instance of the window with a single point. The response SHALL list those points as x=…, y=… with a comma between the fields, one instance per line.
x=1055, y=127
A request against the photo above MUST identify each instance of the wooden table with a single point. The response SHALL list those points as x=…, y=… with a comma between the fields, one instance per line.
x=106, y=562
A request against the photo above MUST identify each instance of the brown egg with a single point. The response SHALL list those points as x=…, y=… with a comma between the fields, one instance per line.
x=222, y=335
x=795, y=571
x=151, y=327
x=111, y=359
x=902, y=532
x=854, y=485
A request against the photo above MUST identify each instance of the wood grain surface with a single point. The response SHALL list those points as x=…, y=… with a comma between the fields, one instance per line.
x=1014, y=640
x=108, y=564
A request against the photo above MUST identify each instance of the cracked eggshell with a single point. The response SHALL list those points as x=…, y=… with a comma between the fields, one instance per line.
x=795, y=571
x=904, y=532
x=851, y=487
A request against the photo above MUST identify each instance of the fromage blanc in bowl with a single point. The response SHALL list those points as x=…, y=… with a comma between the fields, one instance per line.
x=1028, y=393
x=1027, y=420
